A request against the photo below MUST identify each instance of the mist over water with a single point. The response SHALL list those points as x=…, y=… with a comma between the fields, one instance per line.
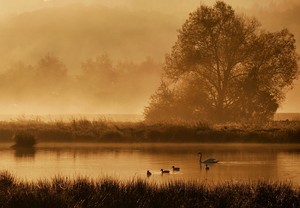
x=72, y=117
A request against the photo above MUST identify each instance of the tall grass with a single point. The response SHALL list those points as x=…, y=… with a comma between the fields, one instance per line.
x=84, y=192
x=105, y=131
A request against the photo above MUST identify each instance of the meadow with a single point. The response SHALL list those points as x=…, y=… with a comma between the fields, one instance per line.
x=108, y=192
x=83, y=130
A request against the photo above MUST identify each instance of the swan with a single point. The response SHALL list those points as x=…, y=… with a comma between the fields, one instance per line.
x=148, y=173
x=175, y=168
x=209, y=160
x=164, y=171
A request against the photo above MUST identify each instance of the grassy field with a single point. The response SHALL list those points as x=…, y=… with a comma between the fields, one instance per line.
x=83, y=192
x=106, y=131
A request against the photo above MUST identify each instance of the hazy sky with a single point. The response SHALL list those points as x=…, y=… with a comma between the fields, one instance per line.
x=17, y=6
x=274, y=15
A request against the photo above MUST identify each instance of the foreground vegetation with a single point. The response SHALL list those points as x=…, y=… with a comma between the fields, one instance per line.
x=106, y=131
x=83, y=192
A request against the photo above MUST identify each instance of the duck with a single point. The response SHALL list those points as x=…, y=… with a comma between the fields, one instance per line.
x=175, y=168
x=164, y=171
x=206, y=167
x=148, y=173
x=207, y=161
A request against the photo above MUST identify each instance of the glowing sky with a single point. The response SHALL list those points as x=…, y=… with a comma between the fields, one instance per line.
x=16, y=6
x=282, y=11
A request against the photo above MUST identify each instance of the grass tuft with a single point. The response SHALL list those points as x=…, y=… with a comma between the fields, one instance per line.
x=24, y=139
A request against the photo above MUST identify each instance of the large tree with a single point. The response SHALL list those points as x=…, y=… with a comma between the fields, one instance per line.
x=223, y=67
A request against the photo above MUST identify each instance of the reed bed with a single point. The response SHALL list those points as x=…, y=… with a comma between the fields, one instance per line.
x=83, y=130
x=106, y=192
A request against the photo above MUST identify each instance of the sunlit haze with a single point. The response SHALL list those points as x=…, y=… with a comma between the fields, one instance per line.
x=123, y=42
x=149, y=103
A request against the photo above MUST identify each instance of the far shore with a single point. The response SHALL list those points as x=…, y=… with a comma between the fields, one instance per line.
x=141, y=132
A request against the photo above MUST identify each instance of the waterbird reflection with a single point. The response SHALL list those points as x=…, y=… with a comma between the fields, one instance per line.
x=206, y=171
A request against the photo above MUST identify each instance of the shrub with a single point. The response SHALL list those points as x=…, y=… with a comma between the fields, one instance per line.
x=6, y=179
x=24, y=139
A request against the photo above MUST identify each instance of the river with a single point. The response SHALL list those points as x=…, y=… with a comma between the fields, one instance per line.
x=237, y=162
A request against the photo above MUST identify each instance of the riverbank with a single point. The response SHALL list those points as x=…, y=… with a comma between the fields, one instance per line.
x=84, y=192
x=106, y=131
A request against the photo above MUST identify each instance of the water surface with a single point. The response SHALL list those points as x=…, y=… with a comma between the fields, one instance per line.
x=238, y=162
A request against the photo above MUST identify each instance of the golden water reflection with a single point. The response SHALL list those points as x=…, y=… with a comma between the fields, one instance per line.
x=241, y=162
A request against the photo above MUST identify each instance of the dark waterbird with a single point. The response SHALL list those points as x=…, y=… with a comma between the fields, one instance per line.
x=175, y=168
x=148, y=173
x=164, y=171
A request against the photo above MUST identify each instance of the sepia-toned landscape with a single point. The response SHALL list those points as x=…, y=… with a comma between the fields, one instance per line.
x=149, y=103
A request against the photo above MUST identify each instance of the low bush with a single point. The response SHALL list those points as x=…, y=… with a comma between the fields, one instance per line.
x=24, y=139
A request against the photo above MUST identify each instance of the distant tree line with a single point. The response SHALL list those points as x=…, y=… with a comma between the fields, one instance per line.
x=101, y=84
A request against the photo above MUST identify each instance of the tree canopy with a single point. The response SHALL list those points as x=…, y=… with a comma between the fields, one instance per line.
x=224, y=67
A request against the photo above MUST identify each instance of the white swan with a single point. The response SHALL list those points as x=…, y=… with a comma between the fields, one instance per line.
x=209, y=160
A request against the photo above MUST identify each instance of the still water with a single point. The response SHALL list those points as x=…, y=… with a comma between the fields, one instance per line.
x=238, y=162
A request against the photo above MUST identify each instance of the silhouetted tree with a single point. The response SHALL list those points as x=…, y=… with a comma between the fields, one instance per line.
x=115, y=85
x=50, y=68
x=51, y=78
x=161, y=104
x=44, y=83
x=97, y=79
x=234, y=70
x=98, y=71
